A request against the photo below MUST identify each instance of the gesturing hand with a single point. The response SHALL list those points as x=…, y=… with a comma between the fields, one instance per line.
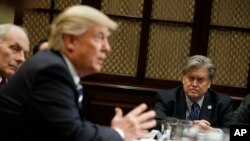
x=135, y=123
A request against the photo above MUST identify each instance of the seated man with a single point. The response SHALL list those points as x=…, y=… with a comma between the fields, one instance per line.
x=242, y=113
x=14, y=43
x=214, y=109
x=43, y=99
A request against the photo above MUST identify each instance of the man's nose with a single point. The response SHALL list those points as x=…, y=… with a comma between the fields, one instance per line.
x=20, y=57
x=195, y=82
x=107, y=46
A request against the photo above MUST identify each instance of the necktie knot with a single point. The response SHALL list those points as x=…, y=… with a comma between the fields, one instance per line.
x=195, y=106
x=4, y=82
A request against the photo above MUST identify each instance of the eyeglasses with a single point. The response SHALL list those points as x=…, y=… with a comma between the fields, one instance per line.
x=197, y=78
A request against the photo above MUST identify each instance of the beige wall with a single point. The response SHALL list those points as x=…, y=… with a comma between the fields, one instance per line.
x=6, y=14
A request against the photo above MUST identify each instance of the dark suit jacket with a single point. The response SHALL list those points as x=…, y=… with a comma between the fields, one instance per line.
x=242, y=113
x=40, y=103
x=173, y=103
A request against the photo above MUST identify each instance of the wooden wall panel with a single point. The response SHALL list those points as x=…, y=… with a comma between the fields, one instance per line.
x=100, y=100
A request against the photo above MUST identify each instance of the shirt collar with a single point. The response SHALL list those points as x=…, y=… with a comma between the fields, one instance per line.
x=189, y=102
x=72, y=70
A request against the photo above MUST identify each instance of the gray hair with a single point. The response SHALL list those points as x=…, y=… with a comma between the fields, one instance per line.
x=4, y=30
x=198, y=61
x=75, y=20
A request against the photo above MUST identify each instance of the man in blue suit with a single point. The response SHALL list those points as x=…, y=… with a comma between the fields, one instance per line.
x=214, y=109
x=41, y=102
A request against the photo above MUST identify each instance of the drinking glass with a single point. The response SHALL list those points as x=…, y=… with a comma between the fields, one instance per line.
x=169, y=126
x=184, y=127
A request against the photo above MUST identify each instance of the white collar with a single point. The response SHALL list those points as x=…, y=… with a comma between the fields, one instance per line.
x=72, y=69
x=189, y=102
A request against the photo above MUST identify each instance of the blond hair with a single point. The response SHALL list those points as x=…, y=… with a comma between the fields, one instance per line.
x=75, y=20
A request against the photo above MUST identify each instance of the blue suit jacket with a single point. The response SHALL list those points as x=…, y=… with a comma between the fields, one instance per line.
x=173, y=103
x=40, y=104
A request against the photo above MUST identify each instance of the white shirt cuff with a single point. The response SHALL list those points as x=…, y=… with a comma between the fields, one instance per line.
x=120, y=132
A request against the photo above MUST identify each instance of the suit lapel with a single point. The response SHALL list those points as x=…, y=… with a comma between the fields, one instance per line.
x=182, y=106
x=73, y=83
x=207, y=108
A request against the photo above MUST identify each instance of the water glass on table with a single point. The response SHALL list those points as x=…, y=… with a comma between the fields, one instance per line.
x=184, y=127
x=169, y=126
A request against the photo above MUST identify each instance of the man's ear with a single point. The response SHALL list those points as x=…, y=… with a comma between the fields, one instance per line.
x=68, y=42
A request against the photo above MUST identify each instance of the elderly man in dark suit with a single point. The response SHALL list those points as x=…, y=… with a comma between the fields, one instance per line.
x=43, y=99
x=14, y=43
x=214, y=110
